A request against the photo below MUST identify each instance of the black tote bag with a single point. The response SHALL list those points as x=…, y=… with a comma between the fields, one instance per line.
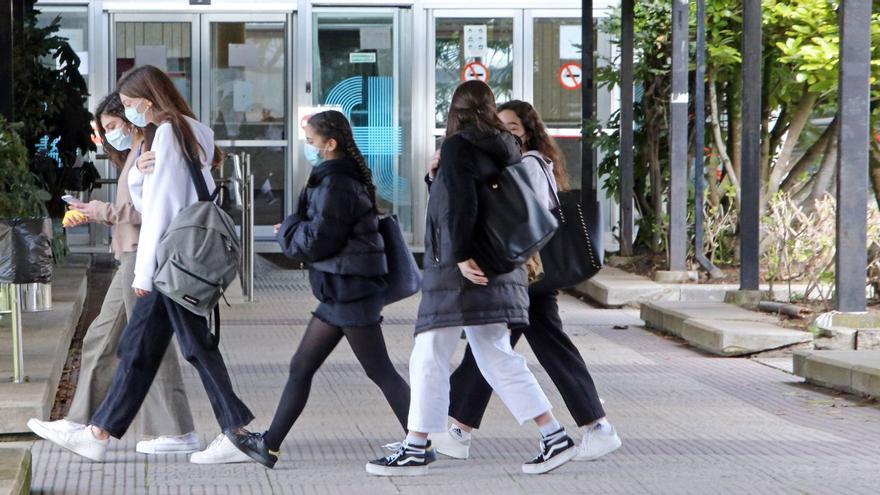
x=515, y=225
x=404, y=277
x=570, y=257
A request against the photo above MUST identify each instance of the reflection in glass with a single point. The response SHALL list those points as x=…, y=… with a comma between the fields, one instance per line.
x=247, y=80
x=167, y=45
x=450, y=59
x=267, y=166
x=356, y=71
x=557, y=50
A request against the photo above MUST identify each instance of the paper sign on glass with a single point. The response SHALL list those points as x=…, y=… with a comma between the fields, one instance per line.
x=151, y=55
x=376, y=38
x=569, y=42
x=242, y=55
x=475, y=41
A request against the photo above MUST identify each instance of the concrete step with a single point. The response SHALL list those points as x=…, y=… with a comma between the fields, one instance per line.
x=46, y=341
x=613, y=288
x=855, y=372
x=15, y=470
x=722, y=329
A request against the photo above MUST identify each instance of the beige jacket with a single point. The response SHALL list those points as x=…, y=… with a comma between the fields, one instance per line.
x=121, y=214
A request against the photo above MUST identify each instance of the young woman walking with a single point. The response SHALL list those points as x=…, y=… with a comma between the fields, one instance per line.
x=457, y=293
x=166, y=416
x=150, y=97
x=554, y=349
x=335, y=231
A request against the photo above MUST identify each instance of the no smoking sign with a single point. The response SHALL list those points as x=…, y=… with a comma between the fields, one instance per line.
x=571, y=76
x=475, y=71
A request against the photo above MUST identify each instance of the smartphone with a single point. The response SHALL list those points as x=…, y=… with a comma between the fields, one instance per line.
x=67, y=198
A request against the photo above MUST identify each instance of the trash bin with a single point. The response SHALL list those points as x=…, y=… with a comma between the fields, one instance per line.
x=26, y=251
x=35, y=297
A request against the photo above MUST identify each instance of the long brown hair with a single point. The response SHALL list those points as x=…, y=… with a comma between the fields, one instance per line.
x=473, y=106
x=111, y=105
x=538, y=139
x=152, y=84
x=332, y=124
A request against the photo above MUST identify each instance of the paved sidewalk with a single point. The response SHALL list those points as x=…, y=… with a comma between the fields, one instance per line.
x=690, y=423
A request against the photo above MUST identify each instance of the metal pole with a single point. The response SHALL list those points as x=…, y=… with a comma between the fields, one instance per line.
x=700, y=143
x=627, y=18
x=750, y=174
x=678, y=139
x=6, y=44
x=245, y=245
x=588, y=182
x=17, y=345
x=250, y=230
x=852, y=154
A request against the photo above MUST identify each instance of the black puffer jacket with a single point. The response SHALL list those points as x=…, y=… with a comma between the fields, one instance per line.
x=448, y=299
x=336, y=231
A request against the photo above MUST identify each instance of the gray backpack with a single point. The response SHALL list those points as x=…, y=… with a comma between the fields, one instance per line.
x=199, y=254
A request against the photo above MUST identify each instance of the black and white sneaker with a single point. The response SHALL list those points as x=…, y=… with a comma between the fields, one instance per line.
x=430, y=452
x=556, y=449
x=409, y=460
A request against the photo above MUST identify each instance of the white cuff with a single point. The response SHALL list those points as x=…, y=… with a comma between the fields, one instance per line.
x=143, y=283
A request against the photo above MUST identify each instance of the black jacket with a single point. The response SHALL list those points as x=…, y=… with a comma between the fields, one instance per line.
x=448, y=299
x=336, y=231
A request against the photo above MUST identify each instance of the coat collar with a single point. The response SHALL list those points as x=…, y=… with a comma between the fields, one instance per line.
x=346, y=166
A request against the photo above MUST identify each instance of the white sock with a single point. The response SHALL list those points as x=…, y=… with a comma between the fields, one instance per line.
x=600, y=425
x=459, y=434
x=549, y=428
x=415, y=441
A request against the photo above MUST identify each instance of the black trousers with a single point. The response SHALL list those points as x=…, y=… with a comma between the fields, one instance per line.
x=141, y=349
x=469, y=393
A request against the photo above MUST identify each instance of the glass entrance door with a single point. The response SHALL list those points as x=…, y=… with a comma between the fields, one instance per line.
x=356, y=69
x=233, y=71
x=244, y=100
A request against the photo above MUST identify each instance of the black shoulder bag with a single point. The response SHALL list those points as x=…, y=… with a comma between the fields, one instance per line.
x=570, y=257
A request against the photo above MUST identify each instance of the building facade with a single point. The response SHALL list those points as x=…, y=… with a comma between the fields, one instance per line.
x=255, y=71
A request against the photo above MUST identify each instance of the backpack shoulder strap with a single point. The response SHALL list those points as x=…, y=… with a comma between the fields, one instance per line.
x=199, y=181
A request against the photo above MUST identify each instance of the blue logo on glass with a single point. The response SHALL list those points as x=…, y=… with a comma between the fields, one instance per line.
x=380, y=140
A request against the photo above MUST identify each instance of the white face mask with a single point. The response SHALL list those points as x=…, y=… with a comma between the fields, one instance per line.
x=313, y=154
x=118, y=139
x=135, y=117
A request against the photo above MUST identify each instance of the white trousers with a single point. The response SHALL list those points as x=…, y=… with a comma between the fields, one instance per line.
x=505, y=370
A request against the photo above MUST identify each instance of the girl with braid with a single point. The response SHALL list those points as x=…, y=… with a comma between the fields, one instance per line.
x=336, y=231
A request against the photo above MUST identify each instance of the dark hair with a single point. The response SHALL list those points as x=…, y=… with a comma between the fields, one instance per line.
x=473, y=106
x=332, y=124
x=152, y=84
x=537, y=138
x=111, y=105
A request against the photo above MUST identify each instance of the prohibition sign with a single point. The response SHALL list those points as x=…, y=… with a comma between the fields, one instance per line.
x=571, y=76
x=475, y=71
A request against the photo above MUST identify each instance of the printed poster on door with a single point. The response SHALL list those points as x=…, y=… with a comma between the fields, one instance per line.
x=475, y=41
x=475, y=71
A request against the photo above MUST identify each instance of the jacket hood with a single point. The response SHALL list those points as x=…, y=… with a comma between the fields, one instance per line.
x=346, y=166
x=501, y=146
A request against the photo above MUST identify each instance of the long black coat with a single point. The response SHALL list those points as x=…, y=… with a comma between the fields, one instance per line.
x=336, y=231
x=448, y=299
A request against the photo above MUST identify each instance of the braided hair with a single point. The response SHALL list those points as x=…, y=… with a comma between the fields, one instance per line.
x=332, y=124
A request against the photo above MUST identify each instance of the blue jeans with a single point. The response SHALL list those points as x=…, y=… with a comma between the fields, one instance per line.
x=141, y=349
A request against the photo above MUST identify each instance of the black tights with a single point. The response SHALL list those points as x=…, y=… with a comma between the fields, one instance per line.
x=318, y=342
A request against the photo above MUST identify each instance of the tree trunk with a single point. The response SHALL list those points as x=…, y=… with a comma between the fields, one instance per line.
x=874, y=171
x=799, y=119
x=794, y=179
x=720, y=145
x=734, y=122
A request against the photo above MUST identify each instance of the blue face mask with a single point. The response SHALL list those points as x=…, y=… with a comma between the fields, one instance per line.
x=118, y=140
x=135, y=117
x=313, y=154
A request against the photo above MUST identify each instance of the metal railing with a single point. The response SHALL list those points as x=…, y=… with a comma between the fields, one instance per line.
x=241, y=184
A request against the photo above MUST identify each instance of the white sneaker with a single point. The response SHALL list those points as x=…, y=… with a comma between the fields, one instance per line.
x=79, y=441
x=58, y=425
x=452, y=444
x=221, y=451
x=183, y=444
x=598, y=441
